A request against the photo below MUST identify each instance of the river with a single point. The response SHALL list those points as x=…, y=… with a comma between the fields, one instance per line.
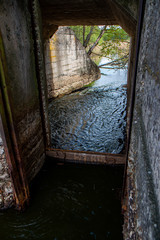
x=78, y=202
x=93, y=119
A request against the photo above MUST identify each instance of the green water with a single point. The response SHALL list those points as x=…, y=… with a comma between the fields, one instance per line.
x=69, y=202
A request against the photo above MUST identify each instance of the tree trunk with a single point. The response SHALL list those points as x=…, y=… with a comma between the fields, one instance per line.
x=83, y=35
x=97, y=40
x=88, y=37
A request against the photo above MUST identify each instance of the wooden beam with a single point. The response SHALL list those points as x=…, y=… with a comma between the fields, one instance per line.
x=70, y=156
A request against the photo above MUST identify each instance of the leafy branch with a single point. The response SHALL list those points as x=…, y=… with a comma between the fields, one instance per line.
x=106, y=41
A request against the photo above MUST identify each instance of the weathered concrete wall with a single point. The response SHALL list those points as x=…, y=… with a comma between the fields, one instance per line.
x=88, y=12
x=131, y=7
x=40, y=67
x=68, y=66
x=144, y=157
x=21, y=82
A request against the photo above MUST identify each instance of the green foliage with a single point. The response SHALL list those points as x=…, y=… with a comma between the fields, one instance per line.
x=113, y=44
x=115, y=33
x=79, y=33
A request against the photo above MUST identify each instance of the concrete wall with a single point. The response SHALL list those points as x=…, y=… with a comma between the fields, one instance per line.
x=68, y=67
x=21, y=85
x=144, y=157
x=131, y=7
x=88, y=12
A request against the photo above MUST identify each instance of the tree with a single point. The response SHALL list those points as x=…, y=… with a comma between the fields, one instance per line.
x=86, y=41
x=86, y=34
x=97, y=40
x=116, y=47
x=105, y=41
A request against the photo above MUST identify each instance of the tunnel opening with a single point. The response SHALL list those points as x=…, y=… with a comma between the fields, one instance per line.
x=71, y=130
x=61, y=155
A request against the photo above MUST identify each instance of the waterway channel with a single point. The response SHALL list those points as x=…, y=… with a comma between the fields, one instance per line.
x=93, y=119
x=78, y=202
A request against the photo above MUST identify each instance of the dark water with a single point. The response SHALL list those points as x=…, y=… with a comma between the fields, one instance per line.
x=69, y=203
x=93, y=119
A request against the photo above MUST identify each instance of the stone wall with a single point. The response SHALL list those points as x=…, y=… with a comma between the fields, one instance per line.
x=68, y=66
x=144, y=157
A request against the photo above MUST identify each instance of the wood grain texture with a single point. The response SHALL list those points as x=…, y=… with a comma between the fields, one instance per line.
x=59, y=155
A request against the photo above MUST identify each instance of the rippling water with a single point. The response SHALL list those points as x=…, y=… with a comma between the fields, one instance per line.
x=93, y=119
x=69, y=203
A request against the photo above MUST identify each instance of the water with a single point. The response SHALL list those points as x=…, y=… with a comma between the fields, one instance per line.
x=70, y=202
x=75, y=202
x=93, y=119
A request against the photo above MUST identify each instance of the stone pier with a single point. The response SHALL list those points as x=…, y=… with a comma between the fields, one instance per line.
x=68, y=67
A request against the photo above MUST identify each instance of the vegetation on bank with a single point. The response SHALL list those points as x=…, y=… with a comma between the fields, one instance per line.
x=105, y=41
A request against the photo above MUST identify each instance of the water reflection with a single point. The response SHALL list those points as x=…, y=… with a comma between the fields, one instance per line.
x=93, y=119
